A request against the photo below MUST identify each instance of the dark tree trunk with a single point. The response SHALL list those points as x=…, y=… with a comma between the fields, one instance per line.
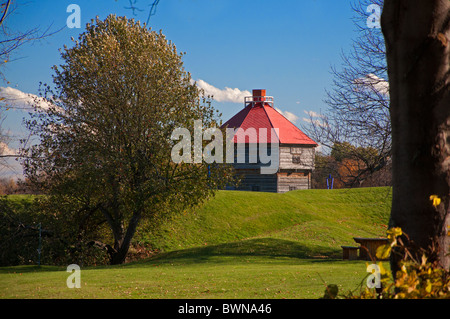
x=123, y=243
x=417, y=34
x=122, y=239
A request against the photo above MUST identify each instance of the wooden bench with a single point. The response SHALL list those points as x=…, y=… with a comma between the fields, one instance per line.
x=349, y=252
x=369, y=247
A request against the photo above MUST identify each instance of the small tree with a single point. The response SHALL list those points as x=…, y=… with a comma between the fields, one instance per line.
x=106, y=142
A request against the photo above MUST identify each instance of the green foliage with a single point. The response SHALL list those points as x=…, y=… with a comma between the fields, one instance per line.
x=64, y=236
x=341, y=151
x=415, y=279
x=324, y=167
x=345, y=150
x=18, y=243
x=105, y=144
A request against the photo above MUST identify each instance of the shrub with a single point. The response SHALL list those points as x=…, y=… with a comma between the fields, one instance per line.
x=65, y=234
x=415, y=279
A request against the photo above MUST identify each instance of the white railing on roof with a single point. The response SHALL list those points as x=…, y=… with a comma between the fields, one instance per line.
x=258, y=99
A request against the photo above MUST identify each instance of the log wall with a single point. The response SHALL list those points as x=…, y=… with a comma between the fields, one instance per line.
x=297, y=157
x=295, y=166
x=252, y=180
x=289, y=181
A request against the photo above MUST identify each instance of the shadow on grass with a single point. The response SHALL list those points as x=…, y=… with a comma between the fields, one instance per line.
x=269, y=248
x=22, y=269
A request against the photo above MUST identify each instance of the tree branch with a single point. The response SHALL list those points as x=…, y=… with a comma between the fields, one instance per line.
x=8, y=2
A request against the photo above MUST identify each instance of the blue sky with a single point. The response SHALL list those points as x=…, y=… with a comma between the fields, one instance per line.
x=286, y=47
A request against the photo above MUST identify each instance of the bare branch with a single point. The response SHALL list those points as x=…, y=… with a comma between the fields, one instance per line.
x=359, y=99
x=6, y=5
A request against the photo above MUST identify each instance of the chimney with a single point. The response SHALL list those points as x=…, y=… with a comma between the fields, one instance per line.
x=259, y=95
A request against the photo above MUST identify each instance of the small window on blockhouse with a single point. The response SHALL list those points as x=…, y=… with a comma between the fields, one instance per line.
x=292, y=188
x=255, y=188
x=296, y=159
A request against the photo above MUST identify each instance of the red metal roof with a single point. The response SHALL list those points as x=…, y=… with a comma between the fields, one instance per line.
x=259, y=115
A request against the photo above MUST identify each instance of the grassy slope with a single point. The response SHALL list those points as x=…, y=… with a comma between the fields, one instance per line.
x=239, y=245
x=310, y=222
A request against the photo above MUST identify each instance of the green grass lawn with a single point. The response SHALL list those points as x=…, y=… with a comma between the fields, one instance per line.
x=190, y=275
x=238, y=245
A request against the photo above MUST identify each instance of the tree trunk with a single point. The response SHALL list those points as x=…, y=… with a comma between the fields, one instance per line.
x=417, y=34
x=120, y=254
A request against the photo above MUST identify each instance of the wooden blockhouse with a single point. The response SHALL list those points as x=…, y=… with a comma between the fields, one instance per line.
x=295, y=151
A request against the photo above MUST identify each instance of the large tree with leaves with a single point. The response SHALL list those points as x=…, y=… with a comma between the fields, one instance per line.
x=417, y=37
x=106, y=142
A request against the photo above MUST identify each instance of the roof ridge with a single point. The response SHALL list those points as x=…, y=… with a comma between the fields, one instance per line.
x=237, y=114
x=293, y=125
x=271, y=124
x=250, y=109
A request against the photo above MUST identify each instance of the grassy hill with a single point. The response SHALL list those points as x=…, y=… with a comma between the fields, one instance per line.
x=238, y=245
x=311, y=223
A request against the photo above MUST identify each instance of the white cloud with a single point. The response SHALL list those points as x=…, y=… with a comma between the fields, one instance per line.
x=374, y=83
x=315, y=122
x=16, y=99
x=290, y=116
x=314, y=118
x=313, y=114
x=10, y=167
x=226, y=95
x=6, y=150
